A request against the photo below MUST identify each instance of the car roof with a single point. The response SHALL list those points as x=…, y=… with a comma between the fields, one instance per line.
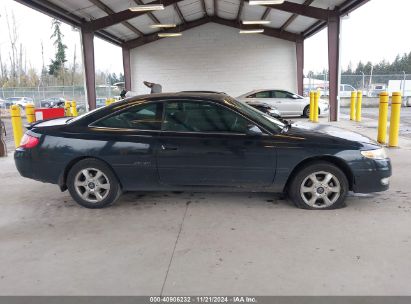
x=215, y=96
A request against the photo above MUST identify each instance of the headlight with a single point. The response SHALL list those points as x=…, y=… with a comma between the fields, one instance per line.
x=375, y=154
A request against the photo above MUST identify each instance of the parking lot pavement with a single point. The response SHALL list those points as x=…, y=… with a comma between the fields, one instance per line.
x=372, y=114
x=203, y=243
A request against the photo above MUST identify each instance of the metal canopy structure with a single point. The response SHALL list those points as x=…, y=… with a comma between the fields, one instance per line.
x=113, y=21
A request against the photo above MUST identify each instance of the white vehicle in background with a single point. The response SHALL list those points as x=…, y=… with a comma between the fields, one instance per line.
x=403, y=86
x=345, y=91
x=20, y=101
x=287, y=103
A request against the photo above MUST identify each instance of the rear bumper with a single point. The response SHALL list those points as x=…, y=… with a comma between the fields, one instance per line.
x=31, y=166
x=373, y=178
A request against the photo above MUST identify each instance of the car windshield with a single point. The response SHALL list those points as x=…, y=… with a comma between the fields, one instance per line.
x=267, y=121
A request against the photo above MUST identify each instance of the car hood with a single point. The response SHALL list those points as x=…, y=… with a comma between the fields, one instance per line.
x=329, y=135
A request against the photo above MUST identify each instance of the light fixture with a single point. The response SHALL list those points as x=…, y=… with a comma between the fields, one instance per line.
x=147, y=7
x=163, y=25
x=265, y=2
x=256, y=31
x=257, y=22
x=168, y=35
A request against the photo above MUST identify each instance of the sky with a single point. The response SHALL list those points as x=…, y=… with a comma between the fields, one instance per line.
x=376, y=31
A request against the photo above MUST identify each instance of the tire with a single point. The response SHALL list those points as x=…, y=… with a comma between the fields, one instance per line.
x=306, y=111
x=309, y=191
x=91, y=191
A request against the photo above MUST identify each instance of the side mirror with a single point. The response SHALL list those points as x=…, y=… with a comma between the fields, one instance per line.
x=254, y=130
x=295, y=96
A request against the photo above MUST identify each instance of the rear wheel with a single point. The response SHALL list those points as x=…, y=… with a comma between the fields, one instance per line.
x=319, y=185
x=92, y=184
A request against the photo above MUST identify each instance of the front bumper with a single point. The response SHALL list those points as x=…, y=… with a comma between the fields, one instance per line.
x=374, y=177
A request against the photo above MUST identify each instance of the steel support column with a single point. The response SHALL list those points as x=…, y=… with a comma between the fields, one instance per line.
x=127, y=68
x=87, y=42
x=334, y=24
x=300, y=65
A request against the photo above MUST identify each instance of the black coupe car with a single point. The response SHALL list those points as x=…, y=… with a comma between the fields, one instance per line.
x=198, y=142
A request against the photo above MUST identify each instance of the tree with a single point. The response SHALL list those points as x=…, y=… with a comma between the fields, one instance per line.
x=56, y=67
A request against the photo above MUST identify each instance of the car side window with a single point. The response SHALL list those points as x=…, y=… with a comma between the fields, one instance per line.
x=190, y=116
x=281, y=94
x=262, y=94
x=142, y=117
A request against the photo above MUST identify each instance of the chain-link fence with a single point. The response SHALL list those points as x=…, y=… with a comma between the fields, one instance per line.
x=40, y=94
x=370, y=85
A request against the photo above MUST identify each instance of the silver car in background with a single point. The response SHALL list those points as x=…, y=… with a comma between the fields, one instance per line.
x=287, y=103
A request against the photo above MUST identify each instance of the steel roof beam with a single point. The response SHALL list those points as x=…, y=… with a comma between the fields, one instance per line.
x=313, y=29
x=272, y=32
x=109, y=12
x=303, y=10
x=149, y=14
x=294, y=16
x=240, y=10
x=268, y=31
x=179, y=13
x=350, y=5
x=266, y=13
x=204, y=7
x=154, y=37
x=97, y=24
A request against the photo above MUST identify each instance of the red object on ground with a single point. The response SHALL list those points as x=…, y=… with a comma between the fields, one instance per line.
x=48, y=113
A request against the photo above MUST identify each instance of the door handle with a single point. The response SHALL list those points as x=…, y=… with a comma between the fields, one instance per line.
x=170, y=148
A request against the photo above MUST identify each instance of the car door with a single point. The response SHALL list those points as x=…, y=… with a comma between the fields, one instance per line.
x=288, y=103
x=205, y=144
x=128, y=141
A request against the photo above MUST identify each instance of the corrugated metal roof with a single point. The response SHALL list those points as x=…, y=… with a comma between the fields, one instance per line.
x=191, y=10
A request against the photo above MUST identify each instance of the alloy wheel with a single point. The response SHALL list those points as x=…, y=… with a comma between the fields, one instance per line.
x=320, y=189
x=92, y=185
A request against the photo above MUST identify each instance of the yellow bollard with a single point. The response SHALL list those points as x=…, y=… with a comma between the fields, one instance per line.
x=395, y=119
x=74, y=109
x=352, y=105
x=108, y=101
x=315, y=107
x=311, y=114
x=17, y=124
x=67, y=108
x=382, y=118
x=358, y=106
x=30, y=115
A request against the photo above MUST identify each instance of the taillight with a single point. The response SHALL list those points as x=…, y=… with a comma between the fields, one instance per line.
x=29, y=141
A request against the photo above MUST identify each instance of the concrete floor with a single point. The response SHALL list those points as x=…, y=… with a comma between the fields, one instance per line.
x=204, y=243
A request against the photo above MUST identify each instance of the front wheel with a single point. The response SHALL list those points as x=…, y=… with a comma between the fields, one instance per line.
x=306, y=112
x=92, y=184
x=319, y=185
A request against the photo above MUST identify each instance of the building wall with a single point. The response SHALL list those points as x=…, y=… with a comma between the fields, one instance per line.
x=215, y=57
